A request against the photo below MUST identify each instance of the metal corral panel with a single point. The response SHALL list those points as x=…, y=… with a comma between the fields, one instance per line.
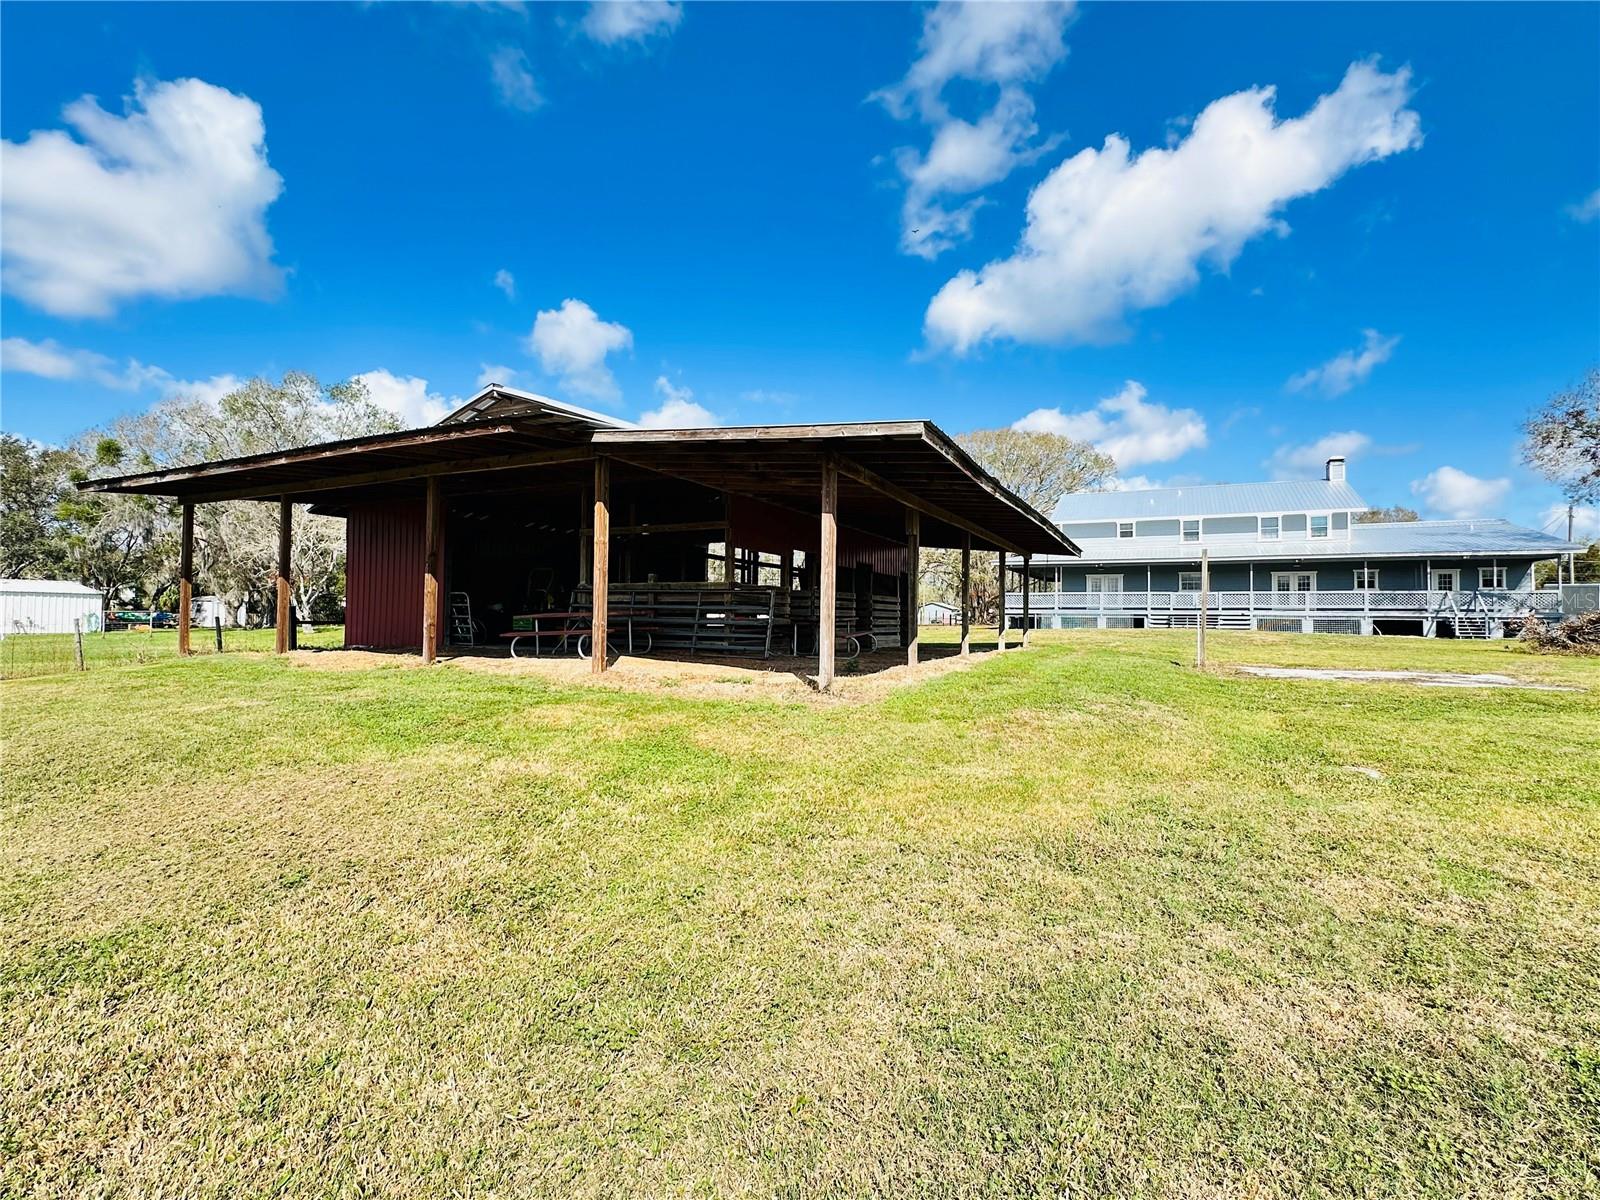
x=47, y=606
x=383, y=575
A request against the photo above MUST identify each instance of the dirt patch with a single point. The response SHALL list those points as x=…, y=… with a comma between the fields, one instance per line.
x=1441, y=679
x=784, y=679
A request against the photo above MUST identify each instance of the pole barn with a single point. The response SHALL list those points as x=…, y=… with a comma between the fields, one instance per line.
x=519, y=519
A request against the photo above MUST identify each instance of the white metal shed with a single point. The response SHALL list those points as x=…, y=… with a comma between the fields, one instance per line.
x=47, y=606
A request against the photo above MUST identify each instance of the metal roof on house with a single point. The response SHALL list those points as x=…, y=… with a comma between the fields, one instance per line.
x=1487, y=538
x=46, y=587
x=1211, y=500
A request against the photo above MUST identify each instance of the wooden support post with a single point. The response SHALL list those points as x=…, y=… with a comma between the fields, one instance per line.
x=828, y=565
x=601, y=565
x=1000, y=621
x=185, y=576
x=966, y=594
x=727, y=541
x=285, y=555
x=432, y=572
x=1205, y=601
x=913, y=575
x=1027, y=621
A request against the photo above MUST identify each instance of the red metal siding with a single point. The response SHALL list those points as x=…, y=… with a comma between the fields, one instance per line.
x=383, y=575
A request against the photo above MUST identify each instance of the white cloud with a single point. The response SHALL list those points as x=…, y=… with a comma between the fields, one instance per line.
x=513, y=80
x=168, y=200
x=1343, y=371
x=677, y=409
x=1006, y=45
x=1587, y=209
x=1108, y=233
x=611, y=21
x=1585, y=522
x=1132, y=483
x=1124, y=426
x=51, y=360
x=207, y=391
x=1454, y=493
x=408, y=398
x=496, y=373
x=506, y=282
x=572, y=342
x=1310, y=460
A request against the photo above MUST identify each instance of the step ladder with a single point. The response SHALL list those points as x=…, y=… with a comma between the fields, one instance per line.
x=461, y=633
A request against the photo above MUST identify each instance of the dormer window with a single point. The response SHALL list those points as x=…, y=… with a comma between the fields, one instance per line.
x=1269, y=529
x=1124, y=529
x=1319, y=527
x=1191, y=530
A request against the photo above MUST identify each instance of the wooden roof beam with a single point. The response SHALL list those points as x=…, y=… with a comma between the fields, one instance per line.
x=894, y=491
x=420, y=471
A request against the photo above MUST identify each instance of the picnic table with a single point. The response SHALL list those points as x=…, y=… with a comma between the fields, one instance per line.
x=577, y=626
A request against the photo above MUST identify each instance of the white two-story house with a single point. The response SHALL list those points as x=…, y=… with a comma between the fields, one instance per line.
x=1288, y=555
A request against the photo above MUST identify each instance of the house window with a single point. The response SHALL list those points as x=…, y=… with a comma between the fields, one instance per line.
x=1493, y=578
x=1294, y=581
x=1366, y=579
x=1124, y=529
x=1191, y=532
x=1269, y=529
x=1103, y=583
x=1319, y=527
x=1188, y=581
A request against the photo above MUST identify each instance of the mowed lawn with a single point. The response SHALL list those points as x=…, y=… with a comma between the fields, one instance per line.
x=1077, y=921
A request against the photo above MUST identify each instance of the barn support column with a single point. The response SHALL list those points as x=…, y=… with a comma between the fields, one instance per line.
x=285, y=554
x=1027, y=588
x=432, y=571
x=185, y=576
x=602, y=564
x=913, y=574
x=966, y=594
x=1000, y=622
x=828, y=566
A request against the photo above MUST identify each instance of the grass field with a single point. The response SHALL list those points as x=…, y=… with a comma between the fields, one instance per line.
x=1076, y=921
x=28, y=654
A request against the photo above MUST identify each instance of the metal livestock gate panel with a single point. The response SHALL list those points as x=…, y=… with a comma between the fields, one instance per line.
x=383, y=575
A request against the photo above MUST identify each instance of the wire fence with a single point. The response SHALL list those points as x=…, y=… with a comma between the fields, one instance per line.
x=24, y=655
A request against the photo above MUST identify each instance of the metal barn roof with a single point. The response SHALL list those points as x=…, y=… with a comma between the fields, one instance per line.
x=1486, y=538
x=1210, y=500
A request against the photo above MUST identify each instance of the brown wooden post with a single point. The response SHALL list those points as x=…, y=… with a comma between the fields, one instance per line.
x=913, y=572
x=1205, y=602
x=185, y=576
x=285, y=555
x=966, y=594
x=1000, y=622
x=432, y=571
x=1027, y=622
x=727, y=541
x=828, y=564
x=601, y=565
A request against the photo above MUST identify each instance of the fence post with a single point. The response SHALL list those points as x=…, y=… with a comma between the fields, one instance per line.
x=218, y=618
x=77, y=639
x=294, y=629
x=1205, y=597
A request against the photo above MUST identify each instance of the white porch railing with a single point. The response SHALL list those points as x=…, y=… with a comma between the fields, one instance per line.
x=1379, y=603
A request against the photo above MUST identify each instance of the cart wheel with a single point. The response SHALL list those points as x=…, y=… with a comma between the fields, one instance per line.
x=583, y=647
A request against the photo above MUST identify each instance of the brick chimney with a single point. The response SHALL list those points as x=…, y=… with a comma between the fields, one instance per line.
x=1335, y=469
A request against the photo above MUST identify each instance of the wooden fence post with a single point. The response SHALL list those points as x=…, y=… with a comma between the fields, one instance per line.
x=77, y=639
x=185, y=576
x=285, y=555
x=966, y=594
x=601, y=566
x=913, y=578
x=828, y=563
x=218, y=619
x=1000, y=622
x=432, y=570
x=1205, y=597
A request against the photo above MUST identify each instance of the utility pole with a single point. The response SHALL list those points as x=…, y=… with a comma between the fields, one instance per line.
x=1205, y=602
x=1572, y=559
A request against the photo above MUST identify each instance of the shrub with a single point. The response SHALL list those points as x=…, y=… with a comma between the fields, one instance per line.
x=1575, y=635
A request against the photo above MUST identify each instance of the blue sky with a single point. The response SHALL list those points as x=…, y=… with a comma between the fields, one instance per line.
x=813, y=212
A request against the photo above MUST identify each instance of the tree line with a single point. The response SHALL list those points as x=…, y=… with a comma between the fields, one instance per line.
x=127, y=546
